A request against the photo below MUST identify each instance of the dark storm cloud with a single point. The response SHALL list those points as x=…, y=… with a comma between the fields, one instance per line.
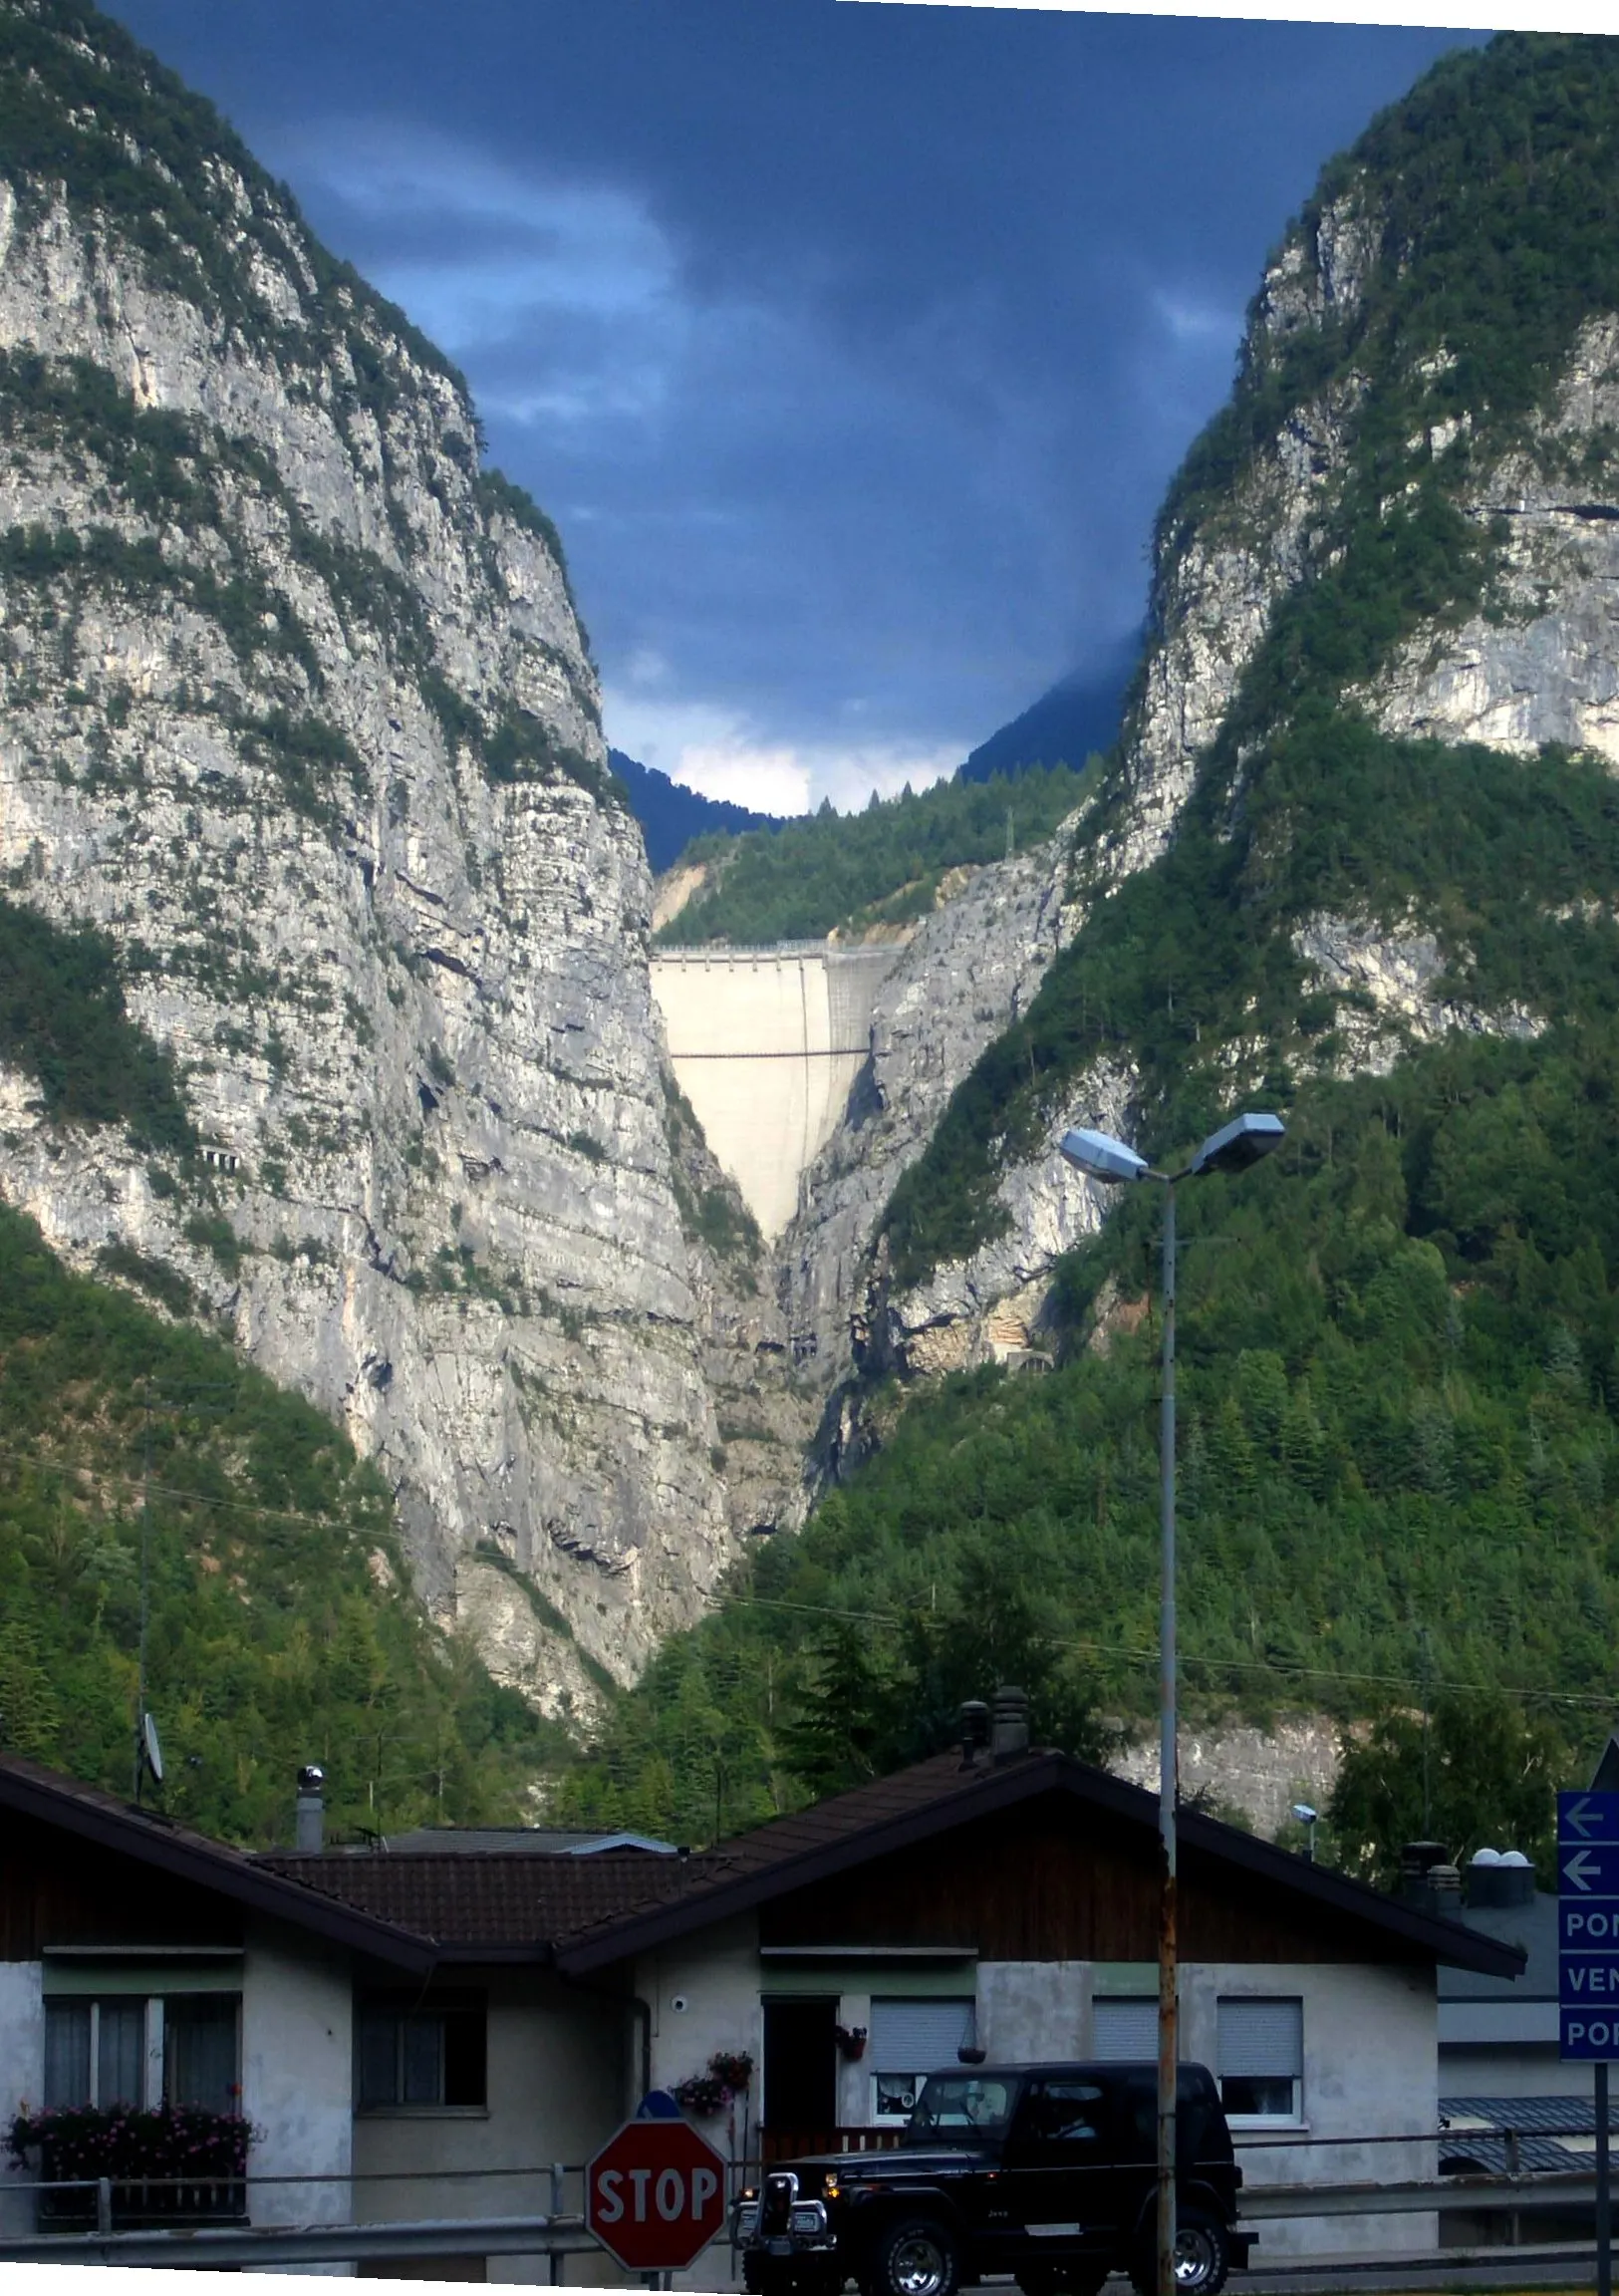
x=850, y=347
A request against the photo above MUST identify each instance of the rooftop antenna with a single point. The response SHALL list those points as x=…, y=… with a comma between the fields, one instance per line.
x=1427, y=1696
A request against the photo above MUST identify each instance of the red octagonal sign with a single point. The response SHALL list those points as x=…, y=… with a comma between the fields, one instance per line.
x=654, y=2196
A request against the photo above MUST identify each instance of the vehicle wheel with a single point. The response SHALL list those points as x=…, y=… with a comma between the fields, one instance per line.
x=1202, y=2258
x=917, y=2256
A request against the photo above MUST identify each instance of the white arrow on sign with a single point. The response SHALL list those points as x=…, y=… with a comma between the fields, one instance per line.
x=1582, y=1865
x=1583, y=1818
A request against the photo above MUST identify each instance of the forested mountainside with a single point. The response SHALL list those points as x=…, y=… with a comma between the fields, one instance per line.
x=1356, y=858
x=146, y=1468
x=325, y=1019
x=856, y=874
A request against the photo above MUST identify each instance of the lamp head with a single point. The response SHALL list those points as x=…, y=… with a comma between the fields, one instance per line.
x=1102, y=1157
x=1304, y=1812
x=1239, y=1144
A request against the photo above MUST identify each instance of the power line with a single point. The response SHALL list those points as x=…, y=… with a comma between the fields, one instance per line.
x=108, y=1476
x=1146, y=1655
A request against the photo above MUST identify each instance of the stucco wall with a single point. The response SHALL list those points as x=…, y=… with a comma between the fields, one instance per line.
x=1033, y=2009
x=766, y=1045
x=297, y=2078
x=1371, y=2070
x=1508, y=2072
x=705, y=1997
x=22, y=2074
x=556, y=2092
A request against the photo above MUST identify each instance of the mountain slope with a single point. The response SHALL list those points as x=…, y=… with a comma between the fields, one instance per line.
x=1396, y=527
x=300, y=719
x=851, y=873
x=1357, y=858
x=280, y=1628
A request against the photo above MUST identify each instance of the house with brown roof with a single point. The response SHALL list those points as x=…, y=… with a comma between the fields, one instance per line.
x=1007, y=1901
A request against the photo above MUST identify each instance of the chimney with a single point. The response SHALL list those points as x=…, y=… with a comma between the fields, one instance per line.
x=1009, y=1724
x=1428, y=1880
x=1445, y=1891
x=311, y=1833
x=974, y=1731
x=1499, y=1877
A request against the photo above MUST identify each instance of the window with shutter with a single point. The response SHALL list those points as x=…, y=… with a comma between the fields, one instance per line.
x=910, y=2040
x=1261, y=2058
x=1123, y=2028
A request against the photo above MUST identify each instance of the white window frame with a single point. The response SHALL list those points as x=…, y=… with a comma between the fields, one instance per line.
x=153, y=2060
x=152, y=2069
x=915, y=2076
x=1294, y=2118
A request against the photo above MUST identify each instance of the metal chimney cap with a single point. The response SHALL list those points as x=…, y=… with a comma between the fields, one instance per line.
x=1009, y=1723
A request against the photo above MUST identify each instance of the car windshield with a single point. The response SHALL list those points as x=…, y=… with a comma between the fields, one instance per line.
x=956, y=2108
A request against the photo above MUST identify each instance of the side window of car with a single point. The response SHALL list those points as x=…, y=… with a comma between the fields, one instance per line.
x=1067, y=2115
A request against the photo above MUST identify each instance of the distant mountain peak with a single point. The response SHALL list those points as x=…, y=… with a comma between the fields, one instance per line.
x=671, y=815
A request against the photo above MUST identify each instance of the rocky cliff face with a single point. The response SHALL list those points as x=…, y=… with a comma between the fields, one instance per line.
x=1270, y=507
x=297, y=709
x=963, y=978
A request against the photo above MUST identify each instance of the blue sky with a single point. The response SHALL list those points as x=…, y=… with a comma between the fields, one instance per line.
x=850, y=347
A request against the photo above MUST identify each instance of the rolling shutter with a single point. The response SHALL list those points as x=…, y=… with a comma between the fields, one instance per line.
x=918, y=2036
x=1262, y=2038
x=1123, y=2028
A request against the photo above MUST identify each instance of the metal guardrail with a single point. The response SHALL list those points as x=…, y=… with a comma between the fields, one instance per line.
x=559, y=2234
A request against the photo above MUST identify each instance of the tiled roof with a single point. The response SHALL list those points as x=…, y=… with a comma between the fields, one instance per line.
x=931, y=1796
x=592, y=1911
x=30, y=1789
x=499, y=1900
x=512, y=1898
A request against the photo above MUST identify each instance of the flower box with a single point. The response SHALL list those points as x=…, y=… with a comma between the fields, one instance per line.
x=178, y=2165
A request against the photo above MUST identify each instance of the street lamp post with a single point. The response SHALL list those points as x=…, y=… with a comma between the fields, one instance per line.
x=1232, y=1149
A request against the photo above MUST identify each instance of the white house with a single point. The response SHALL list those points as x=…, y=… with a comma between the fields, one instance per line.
x=414, y=2013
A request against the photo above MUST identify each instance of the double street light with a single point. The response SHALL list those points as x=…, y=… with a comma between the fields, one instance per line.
x=1232, y=1149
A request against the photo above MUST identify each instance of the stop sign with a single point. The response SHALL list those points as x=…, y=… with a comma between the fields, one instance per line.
x=654, y=2196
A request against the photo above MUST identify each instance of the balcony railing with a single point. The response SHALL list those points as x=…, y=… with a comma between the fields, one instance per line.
x=793, y=2144
x=134, y=2203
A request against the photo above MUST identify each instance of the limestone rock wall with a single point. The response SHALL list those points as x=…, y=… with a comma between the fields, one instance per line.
x=308, y=726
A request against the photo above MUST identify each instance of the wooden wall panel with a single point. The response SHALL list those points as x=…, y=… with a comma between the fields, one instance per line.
x=1050, y=1880
x=58, y=1891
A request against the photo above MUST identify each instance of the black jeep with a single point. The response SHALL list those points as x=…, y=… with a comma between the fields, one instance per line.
x=1046, y=2172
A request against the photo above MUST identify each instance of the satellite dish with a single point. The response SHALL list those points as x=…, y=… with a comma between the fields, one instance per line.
x=151, y=1748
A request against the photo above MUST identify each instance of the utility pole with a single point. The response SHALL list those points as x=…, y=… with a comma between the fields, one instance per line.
x=146, y=1589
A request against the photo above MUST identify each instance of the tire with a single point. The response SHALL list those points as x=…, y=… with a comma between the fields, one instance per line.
x=1203, y=2257
x=914, y=2256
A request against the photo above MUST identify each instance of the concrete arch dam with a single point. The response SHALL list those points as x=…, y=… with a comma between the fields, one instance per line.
x=766, y=1045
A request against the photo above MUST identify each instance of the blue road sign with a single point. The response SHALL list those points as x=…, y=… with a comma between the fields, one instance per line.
x=1584, y=1871
x=1588, y=1926
x=1588, y=1817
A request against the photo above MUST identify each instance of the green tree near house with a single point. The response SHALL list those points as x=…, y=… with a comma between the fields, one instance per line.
x=1478, y=1772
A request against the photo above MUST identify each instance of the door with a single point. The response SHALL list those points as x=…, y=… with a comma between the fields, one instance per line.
x=1062, y=2183
x=800, y=2068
